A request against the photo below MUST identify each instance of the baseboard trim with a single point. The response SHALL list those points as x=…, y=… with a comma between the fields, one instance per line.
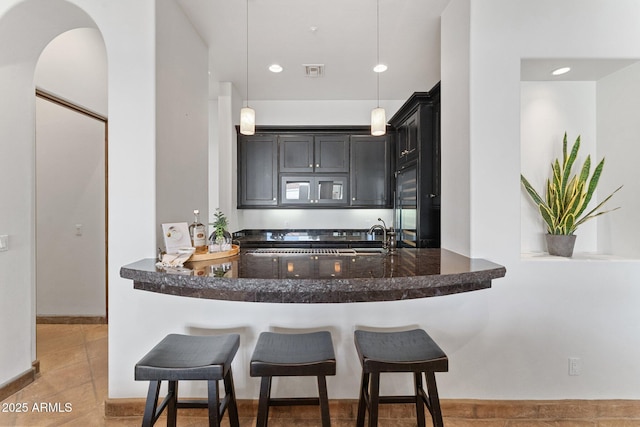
x=451, y=408
x=71, y=320
x=18, y=383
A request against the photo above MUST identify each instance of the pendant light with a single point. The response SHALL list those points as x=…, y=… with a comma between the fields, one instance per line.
x=378, y=117
x=247, y=114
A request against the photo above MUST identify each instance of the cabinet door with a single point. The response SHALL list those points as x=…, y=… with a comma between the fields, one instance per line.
x=408, y=140
x=331, y=153
x=296, y=190
x=370, y=170
x=258, y=171
x=407, y=213
x=331, y=190
x=296, y=153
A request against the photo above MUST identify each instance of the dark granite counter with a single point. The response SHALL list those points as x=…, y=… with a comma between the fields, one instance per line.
x=295, y=278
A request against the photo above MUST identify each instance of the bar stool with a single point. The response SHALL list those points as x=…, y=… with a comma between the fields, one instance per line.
x=409, y=351
x=281, y=355
x=190, y=357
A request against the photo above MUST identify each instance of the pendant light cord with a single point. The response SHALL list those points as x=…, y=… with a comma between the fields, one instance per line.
x=247, y=62
x=378, y=49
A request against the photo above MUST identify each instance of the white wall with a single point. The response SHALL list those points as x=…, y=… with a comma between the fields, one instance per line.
x=74, y=67
x=455, y=123
x=70, y=191
x=618, y=104
x=182, y=128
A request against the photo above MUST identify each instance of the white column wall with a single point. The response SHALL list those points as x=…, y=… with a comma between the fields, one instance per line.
x=182, y=162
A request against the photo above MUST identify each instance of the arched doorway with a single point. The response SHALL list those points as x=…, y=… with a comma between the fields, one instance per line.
x=71, y=171
x=29, y=25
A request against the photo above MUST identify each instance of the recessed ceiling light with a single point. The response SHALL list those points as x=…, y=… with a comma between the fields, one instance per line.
x=560, y=71
x=275, y=68
x=380, y=68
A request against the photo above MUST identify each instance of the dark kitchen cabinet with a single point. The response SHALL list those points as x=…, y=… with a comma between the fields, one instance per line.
x=258, y=170
x=309, y=153
x=417, y=215
x=371, y=167
x=315, y=167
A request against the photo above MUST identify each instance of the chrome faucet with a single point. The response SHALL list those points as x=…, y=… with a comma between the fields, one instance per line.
x=388, y=237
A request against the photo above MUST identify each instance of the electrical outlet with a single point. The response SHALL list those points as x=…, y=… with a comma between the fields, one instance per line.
x=4, y=242
x=575, y=366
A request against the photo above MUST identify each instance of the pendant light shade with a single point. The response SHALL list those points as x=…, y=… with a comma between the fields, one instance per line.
x=378, y=116
x=378, y=122
x=247, y=121
x=247, y=114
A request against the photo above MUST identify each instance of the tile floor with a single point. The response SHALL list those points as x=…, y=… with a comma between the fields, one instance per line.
x=72, y=385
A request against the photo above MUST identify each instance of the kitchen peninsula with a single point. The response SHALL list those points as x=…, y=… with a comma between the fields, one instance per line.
x=319, y=276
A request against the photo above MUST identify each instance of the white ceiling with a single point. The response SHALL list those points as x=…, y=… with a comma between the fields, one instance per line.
x=345, y=42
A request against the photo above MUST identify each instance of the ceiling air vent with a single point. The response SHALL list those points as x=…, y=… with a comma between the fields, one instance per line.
x=313, y=70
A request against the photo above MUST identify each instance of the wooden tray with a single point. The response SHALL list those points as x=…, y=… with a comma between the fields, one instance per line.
x=235, y=249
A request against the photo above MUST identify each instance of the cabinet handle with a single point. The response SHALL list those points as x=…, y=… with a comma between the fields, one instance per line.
x=354, y=199
x=274, y=199
x=317, y=165
x=311, y=165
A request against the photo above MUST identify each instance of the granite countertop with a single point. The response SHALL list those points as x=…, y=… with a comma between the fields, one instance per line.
x=291, y=278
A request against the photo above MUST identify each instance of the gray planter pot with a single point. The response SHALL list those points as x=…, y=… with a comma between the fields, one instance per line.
x=560, y=245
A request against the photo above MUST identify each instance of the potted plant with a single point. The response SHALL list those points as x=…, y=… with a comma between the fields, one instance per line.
x=220, y=238
x=568, y=194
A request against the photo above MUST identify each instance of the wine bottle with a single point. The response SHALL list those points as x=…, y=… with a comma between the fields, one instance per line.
x=198, y=233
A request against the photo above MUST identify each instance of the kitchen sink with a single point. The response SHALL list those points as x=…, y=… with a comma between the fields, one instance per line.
x=316, y=251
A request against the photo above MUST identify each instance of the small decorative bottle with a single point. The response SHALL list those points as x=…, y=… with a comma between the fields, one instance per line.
x=198, y=233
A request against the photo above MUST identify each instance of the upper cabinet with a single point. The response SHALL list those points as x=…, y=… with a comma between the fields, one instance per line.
x=371, y=170
x=309, y=153
x=407, y=146
x=258, y=170
x=315, y=167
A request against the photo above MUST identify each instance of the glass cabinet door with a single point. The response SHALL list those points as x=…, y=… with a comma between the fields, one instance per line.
x=318, y=190
x=297, y=190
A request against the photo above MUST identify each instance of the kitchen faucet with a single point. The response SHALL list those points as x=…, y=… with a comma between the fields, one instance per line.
x=388, y=236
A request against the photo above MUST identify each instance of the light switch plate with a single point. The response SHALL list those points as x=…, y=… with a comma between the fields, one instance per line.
x=4, y=242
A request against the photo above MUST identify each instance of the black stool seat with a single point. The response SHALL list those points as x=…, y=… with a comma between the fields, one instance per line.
x=187, y=357
x=408, y=351
x=306, y=354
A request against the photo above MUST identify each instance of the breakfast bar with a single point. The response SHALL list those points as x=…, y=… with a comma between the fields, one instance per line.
x=319, y=276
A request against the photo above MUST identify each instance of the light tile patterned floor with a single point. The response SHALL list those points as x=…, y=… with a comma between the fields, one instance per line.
x=73, y=384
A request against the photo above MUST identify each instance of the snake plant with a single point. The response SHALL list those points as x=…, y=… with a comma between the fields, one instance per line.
x=568, y=194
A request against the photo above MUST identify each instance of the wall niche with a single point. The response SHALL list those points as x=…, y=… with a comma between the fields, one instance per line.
x=599, y=100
